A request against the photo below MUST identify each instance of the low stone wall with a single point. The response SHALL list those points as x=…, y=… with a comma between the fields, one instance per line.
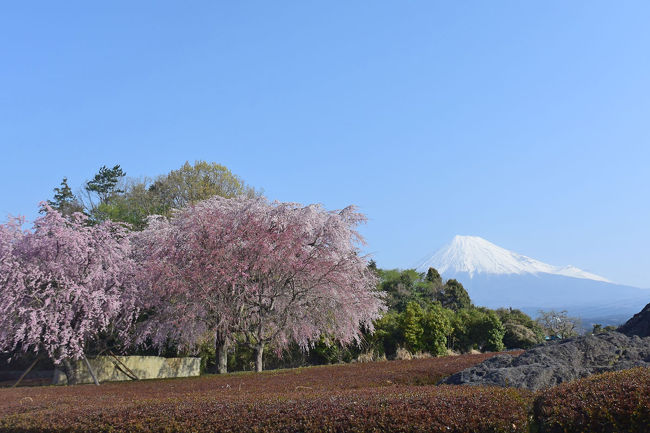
x=107, y=369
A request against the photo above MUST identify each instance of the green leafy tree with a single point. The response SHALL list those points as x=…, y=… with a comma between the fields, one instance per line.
x=111, y=196
x=425, y=290
x=453, y=296
x=134, y=205
x=490, y=332
x=436, y=325
x=398, y=286
x=388, y=334
x=518, y=336
x=425, y=314
x=193, y=183
x=597, y=328
x=411, y=324
x=328, y=351
x=100, y=190
x=405, y=286
x=459, y=338
x=477, y=328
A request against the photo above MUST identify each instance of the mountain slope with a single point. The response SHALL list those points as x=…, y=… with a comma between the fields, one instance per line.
x=496, y=277
x=475, y=255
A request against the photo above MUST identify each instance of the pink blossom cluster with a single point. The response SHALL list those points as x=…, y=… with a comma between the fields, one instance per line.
x=223, y=269
x=62, y=282
x=269, y=272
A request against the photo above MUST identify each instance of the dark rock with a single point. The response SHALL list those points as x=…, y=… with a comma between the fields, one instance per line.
x=561, y=361
x=639, y=324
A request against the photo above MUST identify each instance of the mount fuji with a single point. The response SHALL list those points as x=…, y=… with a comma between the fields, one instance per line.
x=496, y=277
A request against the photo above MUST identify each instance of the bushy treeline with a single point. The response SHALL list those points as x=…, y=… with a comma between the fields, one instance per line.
x=425, y=315
x=112, y=195
x=428, y=314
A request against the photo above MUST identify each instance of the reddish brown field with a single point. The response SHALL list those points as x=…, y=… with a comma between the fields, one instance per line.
x=382, y=396
x=395, y=396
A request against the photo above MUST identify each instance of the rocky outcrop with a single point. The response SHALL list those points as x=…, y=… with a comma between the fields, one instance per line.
x=553, y=363
x=639, y=324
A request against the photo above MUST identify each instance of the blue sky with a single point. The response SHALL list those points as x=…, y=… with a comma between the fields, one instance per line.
x=526, y=123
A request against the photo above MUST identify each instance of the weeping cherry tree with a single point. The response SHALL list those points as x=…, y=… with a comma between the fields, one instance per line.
x=272, y=273
x=62, y=283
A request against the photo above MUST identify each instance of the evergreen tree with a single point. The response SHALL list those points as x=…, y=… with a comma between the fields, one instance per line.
x=100, y=190
x=104, y=184
x=64, y=200
x=453, y=296
x=433, y=276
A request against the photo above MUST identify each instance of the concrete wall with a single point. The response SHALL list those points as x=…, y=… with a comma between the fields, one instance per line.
x=145, y=367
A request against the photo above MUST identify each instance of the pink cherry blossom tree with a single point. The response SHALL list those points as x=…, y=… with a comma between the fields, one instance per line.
x=268, y=272
x=188, y=278
x=62, y=283
x=309, y=280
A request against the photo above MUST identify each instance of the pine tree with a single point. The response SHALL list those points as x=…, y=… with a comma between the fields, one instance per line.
x=64, y=200
x=433, y=276
x=454, y=296
x=104, y=184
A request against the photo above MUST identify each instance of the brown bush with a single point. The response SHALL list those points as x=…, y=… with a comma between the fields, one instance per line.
x=609, y=402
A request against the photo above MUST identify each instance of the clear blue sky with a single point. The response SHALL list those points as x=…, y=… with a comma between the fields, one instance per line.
x=526, y=123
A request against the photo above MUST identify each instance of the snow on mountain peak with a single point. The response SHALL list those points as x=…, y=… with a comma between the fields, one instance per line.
x=475, y=255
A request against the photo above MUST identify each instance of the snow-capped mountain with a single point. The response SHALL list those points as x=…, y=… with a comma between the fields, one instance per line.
x=475, y=255
x=496, y=277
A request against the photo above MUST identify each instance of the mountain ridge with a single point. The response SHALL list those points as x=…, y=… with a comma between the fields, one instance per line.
x=495, y=277
x=475, y=255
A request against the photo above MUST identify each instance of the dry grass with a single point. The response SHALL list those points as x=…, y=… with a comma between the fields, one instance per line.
x=405, y=355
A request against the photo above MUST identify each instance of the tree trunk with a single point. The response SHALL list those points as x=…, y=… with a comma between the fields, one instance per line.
x=70, y=372
x=259, y=354
x=222, y=354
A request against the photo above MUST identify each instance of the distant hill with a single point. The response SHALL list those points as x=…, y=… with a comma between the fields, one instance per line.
x=496, y=277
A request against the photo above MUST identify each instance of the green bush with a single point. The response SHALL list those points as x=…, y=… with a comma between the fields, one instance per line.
x=411, y=326
x=415, y=329
x=521, y=331
x=436, y=326
x=477, y=328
